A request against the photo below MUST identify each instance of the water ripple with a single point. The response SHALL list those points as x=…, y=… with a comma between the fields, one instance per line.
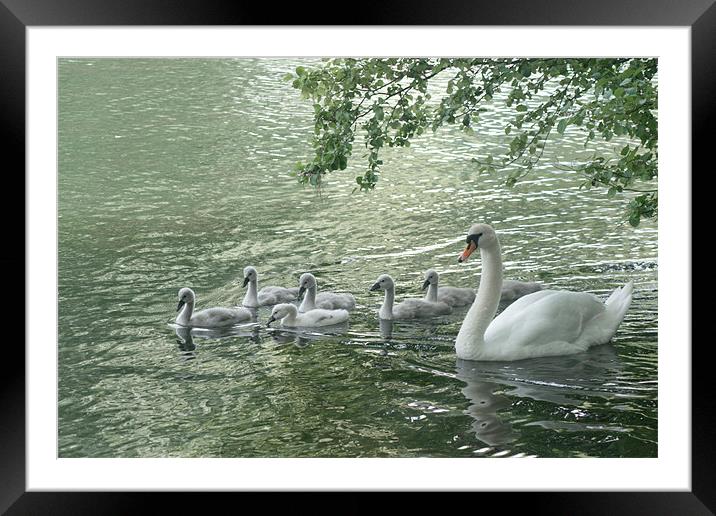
x=174, y=172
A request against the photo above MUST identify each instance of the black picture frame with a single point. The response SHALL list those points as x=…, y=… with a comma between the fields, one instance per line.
x=17, y=15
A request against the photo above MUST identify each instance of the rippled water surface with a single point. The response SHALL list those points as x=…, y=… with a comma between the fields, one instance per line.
x=174, y=172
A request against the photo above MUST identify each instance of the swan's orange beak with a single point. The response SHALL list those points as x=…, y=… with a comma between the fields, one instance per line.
x=467, y=252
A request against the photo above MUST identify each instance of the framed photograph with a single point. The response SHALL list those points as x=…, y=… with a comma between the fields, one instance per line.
x=430, y=254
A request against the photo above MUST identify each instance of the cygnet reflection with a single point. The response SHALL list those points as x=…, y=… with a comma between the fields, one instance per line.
x=386, y=328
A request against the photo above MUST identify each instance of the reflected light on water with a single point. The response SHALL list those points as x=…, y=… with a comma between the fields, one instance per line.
x=175, y=172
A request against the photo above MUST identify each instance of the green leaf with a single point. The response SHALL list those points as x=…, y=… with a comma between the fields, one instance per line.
x=521, y=108
x=562, y=125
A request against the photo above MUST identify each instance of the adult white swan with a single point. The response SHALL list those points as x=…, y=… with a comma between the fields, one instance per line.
x=289, y=316
x=453, y=296
x=548, y=322
x=411, y=308
x=270, y=295
x=210, y=317
x=327, y=300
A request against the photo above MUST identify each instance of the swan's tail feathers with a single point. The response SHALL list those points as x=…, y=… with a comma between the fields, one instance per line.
x=618, y=303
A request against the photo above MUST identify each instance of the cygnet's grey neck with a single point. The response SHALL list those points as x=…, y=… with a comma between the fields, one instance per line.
x=290, y=318
x=185, y=315
x=251, y=297
x=309, y=300
x=386, y=311
x=432, y=294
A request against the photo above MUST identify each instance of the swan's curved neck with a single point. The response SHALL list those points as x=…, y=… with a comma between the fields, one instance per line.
x=251, y=297
x=290, y=318
x=386, y=311
x=471, y=337
x=309, y=300
x=432, y=294
x=185, y=315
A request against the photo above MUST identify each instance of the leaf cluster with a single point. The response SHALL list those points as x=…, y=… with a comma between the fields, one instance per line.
x=386, y=100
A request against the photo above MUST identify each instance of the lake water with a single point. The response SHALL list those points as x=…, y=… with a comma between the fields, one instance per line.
x=175, y=172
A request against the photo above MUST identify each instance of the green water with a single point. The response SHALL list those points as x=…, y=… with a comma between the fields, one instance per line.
x=174, y=172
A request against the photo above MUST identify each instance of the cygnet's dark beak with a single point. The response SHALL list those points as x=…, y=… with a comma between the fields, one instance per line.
x=301, y=291
x=246, y=281
x=376, y=286
x=181, y=303
x=426, y=284
x=271, y=319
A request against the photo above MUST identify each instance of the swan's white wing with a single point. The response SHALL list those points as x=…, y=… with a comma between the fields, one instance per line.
x=523, y=302
x=456, y=296
x=554, y=320
x=272, y=289
x=219, y=317
x=273, y=295
x=419, y=308
x=321, y=317
x=335, y=301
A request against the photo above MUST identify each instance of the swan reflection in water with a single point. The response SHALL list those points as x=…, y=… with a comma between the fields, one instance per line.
x=185, y=336
x=301, y=337
x=386, y=328
x=491, y=387
x=185, y=342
